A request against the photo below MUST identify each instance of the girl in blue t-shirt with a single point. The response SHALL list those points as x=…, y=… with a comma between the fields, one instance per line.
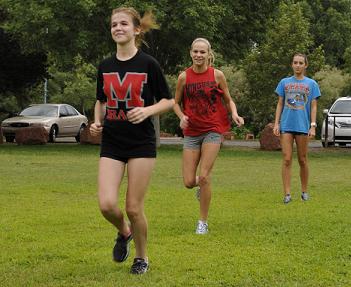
x=295, y=119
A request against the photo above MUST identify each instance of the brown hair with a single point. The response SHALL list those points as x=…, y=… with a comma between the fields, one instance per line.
x=146, y=23
x=210, y=51
x=300, y=55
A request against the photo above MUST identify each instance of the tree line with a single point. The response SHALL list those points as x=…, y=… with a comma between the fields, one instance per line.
x=63, y=41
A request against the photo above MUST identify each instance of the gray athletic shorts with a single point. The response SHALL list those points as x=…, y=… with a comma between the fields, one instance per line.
x=190, y=142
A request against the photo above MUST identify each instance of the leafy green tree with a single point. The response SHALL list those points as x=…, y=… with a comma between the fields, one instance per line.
x=267, y=63
x=19, y=73
x=77, y=87
x=68, y=28
x=243, y=23
x=331, y=27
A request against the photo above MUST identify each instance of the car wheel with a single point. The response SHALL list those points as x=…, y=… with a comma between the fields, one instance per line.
x=9, y=139
x=77, y=137
x=329, y=144
x=53, y=134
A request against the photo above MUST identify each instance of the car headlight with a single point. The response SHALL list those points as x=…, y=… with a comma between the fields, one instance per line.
x=47, y=125
x=35, y=124
x=5, y=124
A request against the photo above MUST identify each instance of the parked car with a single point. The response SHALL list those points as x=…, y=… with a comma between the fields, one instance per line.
x=59, y=120
x=338, y=117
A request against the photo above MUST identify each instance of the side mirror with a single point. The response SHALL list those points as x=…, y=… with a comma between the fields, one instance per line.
x=325, y=111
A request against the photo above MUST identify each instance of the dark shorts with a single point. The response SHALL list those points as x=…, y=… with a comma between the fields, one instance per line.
x=111, y=156
x=125, y=152
x=294, y=133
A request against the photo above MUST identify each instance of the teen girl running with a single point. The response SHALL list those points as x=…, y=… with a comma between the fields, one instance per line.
x=295, y=119
x=202, y=102
x=127, y=84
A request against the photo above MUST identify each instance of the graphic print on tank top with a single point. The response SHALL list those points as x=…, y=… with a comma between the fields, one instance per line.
x=123, y=94
x=203, y=97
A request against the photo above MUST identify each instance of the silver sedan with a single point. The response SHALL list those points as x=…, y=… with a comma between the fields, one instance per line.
x=59, y=120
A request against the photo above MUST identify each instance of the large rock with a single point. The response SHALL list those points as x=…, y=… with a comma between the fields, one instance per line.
x=87, y=138
x=268, y=140
x=32, y=135
x=1, y=136
x=229, y=136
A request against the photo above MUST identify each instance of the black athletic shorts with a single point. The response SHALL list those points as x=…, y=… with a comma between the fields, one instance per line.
x=126, y=149
x=294, y=133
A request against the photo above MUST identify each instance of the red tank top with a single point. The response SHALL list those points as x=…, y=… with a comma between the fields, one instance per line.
x=202, y=103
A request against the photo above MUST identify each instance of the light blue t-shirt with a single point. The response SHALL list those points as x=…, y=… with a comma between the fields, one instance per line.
x=297, y=97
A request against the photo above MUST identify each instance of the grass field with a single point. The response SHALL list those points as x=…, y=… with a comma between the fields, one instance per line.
x=52, y=233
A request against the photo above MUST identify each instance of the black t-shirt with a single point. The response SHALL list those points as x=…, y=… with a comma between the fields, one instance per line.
x=124, y=85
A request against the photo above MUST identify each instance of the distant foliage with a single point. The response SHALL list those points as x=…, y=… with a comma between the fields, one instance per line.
x=269, y=62
x=77, y=88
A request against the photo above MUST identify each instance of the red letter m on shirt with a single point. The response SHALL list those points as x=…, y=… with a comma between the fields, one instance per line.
x=127, y=90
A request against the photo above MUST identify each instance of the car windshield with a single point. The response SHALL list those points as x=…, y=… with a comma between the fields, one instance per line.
x=341, y=107
x=40, y=111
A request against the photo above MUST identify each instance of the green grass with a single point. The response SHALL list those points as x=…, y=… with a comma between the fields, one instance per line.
x=52, y=233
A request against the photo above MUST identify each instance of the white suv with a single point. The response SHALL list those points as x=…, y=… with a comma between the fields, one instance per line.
x=339, y=123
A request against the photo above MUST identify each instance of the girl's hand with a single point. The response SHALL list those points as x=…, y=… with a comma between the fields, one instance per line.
x=276, y=130
x=312, y=132
x=184, y=122
x=238, y=120
x=95, y=129
x=137, y=115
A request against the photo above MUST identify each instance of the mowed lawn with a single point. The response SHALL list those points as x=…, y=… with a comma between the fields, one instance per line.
x=52, y=233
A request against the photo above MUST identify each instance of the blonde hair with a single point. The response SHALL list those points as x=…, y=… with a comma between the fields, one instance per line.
x=211, y=58
x=146, y=23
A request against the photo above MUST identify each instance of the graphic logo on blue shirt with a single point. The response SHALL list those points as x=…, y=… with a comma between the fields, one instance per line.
x=296, y=101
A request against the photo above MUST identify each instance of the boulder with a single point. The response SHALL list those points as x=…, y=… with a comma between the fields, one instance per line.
x=32, y=135
x=249, y=136
x=87, y=138
x=1, y=136
x=268, y=140
x=229, y=136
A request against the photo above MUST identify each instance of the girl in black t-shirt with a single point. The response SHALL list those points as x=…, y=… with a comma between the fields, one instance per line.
x=127, y=85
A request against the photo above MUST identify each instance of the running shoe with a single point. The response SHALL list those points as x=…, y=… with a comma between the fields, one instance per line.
x=287, y=199
x=140, y=266
x=202, y=227
x=304, y=196
x=122, y=246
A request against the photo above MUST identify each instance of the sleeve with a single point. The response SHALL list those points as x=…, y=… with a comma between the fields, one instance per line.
x=316, y=93
x=280, y=89
x=100, y=95
x=159, y=86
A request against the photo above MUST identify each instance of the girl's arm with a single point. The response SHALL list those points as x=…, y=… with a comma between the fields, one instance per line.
x=99, y=114
x=312, y=131
x=222, y=83
x=184, y=120
x=137, y=115
x=278, y=112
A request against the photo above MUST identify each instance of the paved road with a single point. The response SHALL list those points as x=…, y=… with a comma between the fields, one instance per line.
x=242, y=143
x=179, y=141
x=239, y=143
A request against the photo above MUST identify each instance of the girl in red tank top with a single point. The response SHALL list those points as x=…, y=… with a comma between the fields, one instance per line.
x=202, y=103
